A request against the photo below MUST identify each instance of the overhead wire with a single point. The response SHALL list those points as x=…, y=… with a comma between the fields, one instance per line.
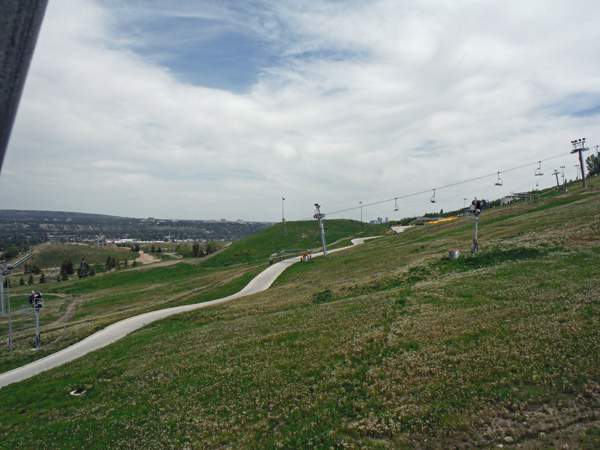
x=354, y=208
x=446, y=186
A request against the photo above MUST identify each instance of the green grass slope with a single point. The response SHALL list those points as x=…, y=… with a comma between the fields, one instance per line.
x=300, y=235
x=386, y=345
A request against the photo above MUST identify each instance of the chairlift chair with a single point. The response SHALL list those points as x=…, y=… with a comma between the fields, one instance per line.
x=432, y=199
x=396, y=204
x=538, y=171
x=499, y=181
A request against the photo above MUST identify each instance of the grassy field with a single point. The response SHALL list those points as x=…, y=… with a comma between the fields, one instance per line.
x=52, y=255
x=387, y=345
x=75, y=309
x=300, y=235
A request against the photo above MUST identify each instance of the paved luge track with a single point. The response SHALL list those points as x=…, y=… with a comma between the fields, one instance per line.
x=120, y=329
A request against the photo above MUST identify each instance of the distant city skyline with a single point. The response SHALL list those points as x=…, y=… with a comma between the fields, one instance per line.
x=200, y=109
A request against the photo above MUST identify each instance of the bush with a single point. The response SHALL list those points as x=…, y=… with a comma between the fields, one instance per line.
x=322, y=297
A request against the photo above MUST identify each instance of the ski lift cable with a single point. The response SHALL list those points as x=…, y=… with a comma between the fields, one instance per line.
x=448, y=185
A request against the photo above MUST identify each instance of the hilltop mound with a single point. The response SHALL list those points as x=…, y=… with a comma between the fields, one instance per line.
x=293, y=235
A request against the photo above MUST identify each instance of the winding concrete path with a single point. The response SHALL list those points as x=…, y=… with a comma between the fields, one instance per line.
x=120, y=329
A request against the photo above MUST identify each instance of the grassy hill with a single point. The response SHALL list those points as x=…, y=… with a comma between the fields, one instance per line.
x=52, y=255
x=300, y=235
x=387, y=345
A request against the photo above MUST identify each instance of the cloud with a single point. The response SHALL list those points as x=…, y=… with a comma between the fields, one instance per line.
x=329, y=102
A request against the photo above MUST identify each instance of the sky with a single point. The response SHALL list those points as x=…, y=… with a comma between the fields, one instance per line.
x=210, y=109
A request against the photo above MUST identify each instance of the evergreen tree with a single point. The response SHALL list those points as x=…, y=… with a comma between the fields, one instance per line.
x=21, y=281
x=30, y=281
x=196, y=249
x=65, y=276
x=43, y=278
x=593, y=164
x=152, y=249
x=70, y=268
x=159, y=250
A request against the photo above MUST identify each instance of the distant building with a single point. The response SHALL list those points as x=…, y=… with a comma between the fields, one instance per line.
x=223, y=220
x=150, y=219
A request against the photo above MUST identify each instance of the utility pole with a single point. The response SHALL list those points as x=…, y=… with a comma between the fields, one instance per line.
x=5, y=271
x=283, y=217
x=579, y=147
x=556, y=174
x=319, y=217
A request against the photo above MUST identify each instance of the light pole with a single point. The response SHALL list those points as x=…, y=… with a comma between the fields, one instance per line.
x=577, y=169
x=319, y=216
x=360, y=211
x=464, y=203
x=283, y=217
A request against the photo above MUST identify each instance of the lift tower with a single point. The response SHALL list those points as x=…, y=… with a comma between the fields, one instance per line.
x=579, y=147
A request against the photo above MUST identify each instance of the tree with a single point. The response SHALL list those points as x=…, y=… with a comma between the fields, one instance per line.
x=30, y=281
x=195, y=249
x=159, y=250
x=152, y=249
x=65, y=276
x=10, y=252
x=593, y=164
x=67, y=267
x=43, y=278
x=21, y=281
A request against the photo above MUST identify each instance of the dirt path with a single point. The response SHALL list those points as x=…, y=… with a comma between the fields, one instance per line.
x=69, y=313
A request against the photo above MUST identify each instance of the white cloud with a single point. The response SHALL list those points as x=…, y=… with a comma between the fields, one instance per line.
x=366, y=101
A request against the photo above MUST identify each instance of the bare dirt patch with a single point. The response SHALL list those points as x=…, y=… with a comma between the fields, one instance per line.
x=146, y=258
